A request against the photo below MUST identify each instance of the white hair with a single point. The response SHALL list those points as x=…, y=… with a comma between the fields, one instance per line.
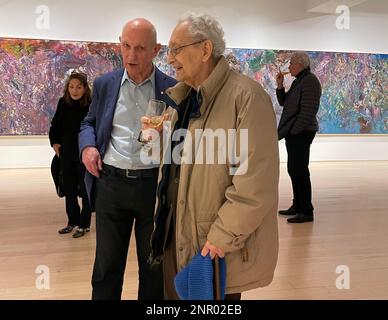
x=302, y=58
x=203, y=26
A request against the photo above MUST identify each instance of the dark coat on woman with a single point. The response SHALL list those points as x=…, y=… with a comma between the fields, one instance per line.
x=64, y=130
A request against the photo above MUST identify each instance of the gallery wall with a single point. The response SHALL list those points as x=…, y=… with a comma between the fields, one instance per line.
x=262, y=24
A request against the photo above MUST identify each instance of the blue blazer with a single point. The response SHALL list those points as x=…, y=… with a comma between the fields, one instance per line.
x=97, y=126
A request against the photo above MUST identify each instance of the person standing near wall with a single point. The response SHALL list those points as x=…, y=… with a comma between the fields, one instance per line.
x=65, y=126
x=298, y=125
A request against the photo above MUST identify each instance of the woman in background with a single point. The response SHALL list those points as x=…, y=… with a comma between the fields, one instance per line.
x=71, y=110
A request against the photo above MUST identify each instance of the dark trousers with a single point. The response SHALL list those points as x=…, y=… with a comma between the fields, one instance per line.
x=120, y=202
x=76, y=215
x=298, y=150
x=73, y=183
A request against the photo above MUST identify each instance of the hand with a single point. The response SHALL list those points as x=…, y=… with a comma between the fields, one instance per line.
x=92, y=161
x=56, y=147
x=279, y=80
x=146, y=123
x=149, y=131
x=208, y=247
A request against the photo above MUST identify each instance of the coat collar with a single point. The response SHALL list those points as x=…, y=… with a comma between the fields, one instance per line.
x=209, y=88
x=303, y=73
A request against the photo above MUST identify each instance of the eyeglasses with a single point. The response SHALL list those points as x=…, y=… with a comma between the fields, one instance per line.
x=176, y=50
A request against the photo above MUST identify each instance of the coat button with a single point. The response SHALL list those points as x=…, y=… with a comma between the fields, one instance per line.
x=176, y=180
x=181, y=249
x=181, y=202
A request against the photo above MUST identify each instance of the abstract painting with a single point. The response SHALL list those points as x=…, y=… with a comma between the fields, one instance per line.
x=33, y=75
x=33, y=72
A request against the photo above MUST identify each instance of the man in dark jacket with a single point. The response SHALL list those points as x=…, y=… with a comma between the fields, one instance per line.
x=298, y=125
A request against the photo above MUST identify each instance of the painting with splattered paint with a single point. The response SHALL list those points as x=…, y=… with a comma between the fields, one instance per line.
x=354, y=86
x=33, y=73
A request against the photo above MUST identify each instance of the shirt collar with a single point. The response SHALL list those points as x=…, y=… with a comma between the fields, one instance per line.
x=150, y=78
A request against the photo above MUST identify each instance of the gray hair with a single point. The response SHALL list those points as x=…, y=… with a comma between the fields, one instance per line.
x=302, y=58
x=203, y=26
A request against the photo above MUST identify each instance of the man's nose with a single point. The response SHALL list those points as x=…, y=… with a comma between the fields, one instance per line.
x=132, y=53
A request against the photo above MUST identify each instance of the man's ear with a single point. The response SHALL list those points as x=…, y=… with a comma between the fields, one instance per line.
x=157, y=48
x=207, y=50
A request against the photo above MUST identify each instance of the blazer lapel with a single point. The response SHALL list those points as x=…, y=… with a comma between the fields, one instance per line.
x=113, y=95
x=111, y=99
x=160, y=85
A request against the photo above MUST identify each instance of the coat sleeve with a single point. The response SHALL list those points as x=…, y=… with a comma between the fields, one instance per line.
x=281, y=95
x=56, y=124
x=87, y=135
x=309, y=104
x=252, y=195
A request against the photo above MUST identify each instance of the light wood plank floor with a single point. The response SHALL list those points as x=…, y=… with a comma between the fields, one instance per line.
x=351, y=206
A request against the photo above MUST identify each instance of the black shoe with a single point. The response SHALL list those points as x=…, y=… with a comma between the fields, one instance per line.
x=80, y=232
x=289, y=212
x=300, y=218
x=66, y=229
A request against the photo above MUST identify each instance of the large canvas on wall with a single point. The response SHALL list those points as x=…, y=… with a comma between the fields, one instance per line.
x=32, y=75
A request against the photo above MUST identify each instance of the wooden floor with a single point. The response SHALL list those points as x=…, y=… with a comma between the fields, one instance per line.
x=350, y=228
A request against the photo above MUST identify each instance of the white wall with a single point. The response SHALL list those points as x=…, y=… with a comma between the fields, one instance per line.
x=276, y=24
x=35, y=152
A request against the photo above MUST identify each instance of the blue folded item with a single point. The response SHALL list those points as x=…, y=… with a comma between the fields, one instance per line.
x=195, y=281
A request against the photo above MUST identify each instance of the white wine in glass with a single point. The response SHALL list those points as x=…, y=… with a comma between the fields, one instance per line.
x=284, y=68
x=155, y=114
x=156, y=121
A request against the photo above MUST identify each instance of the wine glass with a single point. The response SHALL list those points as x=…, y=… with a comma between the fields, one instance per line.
x=155, y=114
x=284, y=67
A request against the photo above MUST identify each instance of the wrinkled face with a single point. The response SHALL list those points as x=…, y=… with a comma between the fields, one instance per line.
x=76, y=89
x=138, y=49
x=185, y=55
x=295, y=67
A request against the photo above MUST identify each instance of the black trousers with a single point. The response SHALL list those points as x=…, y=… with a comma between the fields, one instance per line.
x=73, y=182
x=298, y=150
x=121, y=202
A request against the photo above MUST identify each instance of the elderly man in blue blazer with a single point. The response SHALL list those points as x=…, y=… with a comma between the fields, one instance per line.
x=120, y=186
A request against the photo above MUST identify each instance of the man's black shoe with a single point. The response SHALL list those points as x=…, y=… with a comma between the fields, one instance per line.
x=289, y=212
x=300, y=218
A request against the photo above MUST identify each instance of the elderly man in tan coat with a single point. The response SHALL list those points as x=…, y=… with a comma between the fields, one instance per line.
x=223, y=207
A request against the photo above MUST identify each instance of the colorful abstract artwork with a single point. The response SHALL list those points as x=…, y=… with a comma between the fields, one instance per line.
x=33, y=75
x=33, y=72
x=354, y=86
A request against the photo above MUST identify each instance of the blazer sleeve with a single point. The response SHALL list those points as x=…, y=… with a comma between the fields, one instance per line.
x=309, y=104
x=253, y=194
x=56, y=124
x=87, y=134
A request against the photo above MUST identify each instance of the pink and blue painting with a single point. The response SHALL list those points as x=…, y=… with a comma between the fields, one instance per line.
x=33, y=73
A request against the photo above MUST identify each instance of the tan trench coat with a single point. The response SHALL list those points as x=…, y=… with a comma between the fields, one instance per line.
x=237, y=213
